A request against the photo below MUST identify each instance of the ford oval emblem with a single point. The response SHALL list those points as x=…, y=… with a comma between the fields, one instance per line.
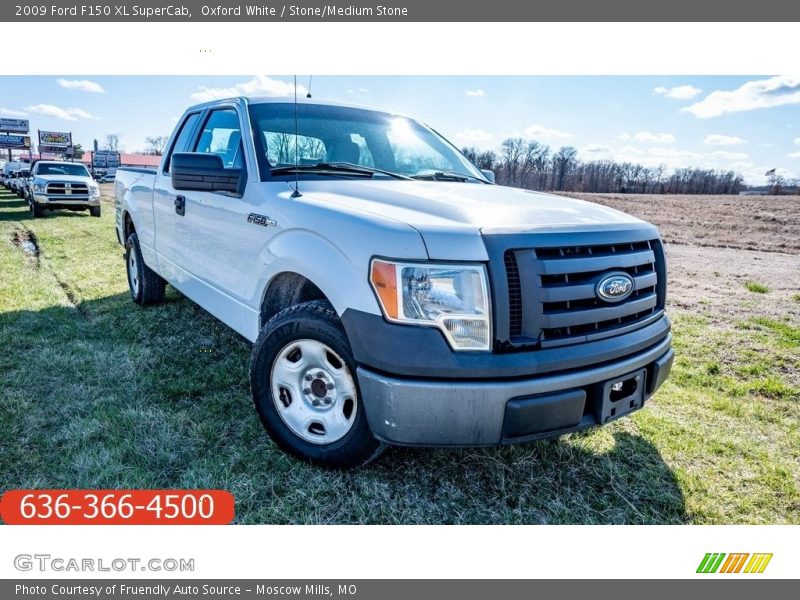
x=615, y=287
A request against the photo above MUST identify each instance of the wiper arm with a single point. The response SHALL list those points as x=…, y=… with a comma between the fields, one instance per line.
x=447, y=176
x=336, y=167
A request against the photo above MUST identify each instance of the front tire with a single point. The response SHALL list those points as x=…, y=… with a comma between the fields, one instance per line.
x=304, y=385
x=36, y=210
x=94, y=211
x=146, y=286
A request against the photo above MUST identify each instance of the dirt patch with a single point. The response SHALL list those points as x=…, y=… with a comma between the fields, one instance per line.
x=712, y=282
x=765, y=223
x=25, y=240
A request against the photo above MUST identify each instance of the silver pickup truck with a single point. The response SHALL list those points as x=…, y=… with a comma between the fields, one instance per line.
x=393, y=293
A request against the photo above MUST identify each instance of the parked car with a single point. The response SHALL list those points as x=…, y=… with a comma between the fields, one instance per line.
x=61, y=184
x=17, y=182
x=108, y=178
x=392, y=292
x=8, y=170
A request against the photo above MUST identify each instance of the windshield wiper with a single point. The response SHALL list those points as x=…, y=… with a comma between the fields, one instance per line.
x=446, y=176
x=336, y=167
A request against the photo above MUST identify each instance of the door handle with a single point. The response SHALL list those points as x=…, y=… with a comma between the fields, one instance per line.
x=180, y=205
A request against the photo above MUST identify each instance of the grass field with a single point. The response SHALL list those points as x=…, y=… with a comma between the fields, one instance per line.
x=96, y=392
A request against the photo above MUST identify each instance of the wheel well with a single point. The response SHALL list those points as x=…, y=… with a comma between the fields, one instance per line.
x=285, y=290
x=127, y=226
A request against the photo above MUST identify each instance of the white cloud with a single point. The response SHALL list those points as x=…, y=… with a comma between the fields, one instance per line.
x=797, y=141
x=540, y=131
x=671, y=157
x=648, y=137
x=793, y=155
x=762, y=93
x=56, y=112
x=355, y=91
x=10, y=112
x=260, y=85
x=81, y=84
x=478, y=92
x=717, y=139
x=474, y=136
x=681, y=92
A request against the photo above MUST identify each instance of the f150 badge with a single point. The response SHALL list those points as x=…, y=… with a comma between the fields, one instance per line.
x=615, y=287
x=261, y=220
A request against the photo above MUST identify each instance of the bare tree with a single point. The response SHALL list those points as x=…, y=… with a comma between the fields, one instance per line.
x=112, y=142
x=155, y=144
x=532, y=165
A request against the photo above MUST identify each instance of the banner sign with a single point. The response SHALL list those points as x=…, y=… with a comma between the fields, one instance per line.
x=15, y=141
x=15, y=125
x=49, y=148
x=55, y=138
x=105, y=159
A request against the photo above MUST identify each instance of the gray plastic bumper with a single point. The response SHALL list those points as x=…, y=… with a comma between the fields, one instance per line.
x=419, y=412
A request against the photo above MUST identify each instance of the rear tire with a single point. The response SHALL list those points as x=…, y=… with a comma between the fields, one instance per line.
x=94, y=211
x=304, y=385
x=146, y=286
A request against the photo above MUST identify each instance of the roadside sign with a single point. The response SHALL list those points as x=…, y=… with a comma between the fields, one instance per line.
x=52, y=149
x=105, y=159
x=15, y=141
x=15, y=125
x=55, y=138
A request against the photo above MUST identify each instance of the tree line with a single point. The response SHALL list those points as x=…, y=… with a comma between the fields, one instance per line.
x=533, y=165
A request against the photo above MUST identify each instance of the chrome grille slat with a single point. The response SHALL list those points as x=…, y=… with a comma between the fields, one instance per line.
x=59, y=189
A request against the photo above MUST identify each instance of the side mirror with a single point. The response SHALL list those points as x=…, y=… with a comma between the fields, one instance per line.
x=488, y=174
x=201, y=172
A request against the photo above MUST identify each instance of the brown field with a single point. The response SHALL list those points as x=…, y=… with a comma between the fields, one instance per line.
x=768, y=223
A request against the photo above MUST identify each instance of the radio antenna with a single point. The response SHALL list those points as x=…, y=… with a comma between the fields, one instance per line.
x=308, y=93
x=296, y=193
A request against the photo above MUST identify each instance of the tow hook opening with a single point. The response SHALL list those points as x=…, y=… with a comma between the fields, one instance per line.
x=623, y=389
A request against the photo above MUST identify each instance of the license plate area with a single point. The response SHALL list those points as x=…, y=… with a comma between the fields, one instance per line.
x=619, y=396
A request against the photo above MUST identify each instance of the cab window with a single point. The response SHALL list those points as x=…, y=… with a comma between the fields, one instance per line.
x=222, y=135
x=182, y=140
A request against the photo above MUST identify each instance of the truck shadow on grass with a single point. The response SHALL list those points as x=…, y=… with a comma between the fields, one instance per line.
x=105, y=394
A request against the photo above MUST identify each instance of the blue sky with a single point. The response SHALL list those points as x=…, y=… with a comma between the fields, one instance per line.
x=746, y=123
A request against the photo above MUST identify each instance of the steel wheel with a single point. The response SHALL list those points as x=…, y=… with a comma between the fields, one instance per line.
x=133, y=271
x=313, y=391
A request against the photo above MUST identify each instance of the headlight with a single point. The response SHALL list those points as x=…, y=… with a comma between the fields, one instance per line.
x=38, y=188
x=94, y=190
x=454, y=298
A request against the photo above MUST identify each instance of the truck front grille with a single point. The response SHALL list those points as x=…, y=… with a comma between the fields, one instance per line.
x=67, y=189
x=552, y=298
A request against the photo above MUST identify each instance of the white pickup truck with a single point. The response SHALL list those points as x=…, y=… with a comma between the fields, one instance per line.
x=394, y=294
x=61, y=184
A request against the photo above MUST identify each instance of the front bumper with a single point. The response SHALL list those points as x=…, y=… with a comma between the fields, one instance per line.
x=425, y=412
x=64, y=201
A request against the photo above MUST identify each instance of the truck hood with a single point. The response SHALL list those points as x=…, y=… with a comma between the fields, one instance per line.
x=452, y=216
x=65, y=178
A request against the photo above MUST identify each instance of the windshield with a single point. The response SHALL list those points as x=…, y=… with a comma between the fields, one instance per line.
x=62, y=169
x=367, y=138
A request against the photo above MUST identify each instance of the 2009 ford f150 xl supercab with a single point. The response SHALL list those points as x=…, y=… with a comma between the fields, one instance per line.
x=393, y=293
